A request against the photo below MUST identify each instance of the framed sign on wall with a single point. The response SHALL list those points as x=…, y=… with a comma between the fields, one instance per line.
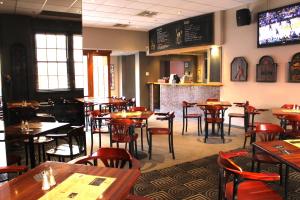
x=112, y=77
x=239, y=69
x=294, y=69
x=266, y=70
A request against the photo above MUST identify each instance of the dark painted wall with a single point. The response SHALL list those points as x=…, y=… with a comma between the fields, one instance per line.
x=128, y=76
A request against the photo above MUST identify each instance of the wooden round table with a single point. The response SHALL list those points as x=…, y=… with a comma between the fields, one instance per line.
x=285, y=112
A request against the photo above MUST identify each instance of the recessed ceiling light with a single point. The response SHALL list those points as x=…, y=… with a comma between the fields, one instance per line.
x=179, y=12
x=1, y=2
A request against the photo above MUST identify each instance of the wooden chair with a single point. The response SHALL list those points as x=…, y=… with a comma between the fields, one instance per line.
x=294, y=121
x=250, y=113
x=266, y=132
x=110, y=157
x=162, y=131
x=70, y=149
x=186, y=116
x=139, y=123
x=214, y=114
x=283, y=122
x=88, y=108
x=244, y=185
x=237, y=115
x=98, y=126
x=122, y=131
x=12, y=169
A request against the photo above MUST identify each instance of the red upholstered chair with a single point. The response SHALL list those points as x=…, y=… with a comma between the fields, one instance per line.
x=266, y=132
x=294, y=121
x=139, y=123
x=186, y=116
x=122, y=131
x=110, y=157
x=98, y=126
x=162, y=131
x=250, y=113
x=244, y=185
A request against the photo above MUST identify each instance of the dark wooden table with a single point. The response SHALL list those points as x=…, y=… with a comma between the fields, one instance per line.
x=35, y=129
x=21, y=104
x=26, y=186
x=285, y=153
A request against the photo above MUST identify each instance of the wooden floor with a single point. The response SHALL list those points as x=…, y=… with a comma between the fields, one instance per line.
x=187, y=148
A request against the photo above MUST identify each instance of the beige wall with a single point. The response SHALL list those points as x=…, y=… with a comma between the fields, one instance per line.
x=241, y=41
x=114, y=39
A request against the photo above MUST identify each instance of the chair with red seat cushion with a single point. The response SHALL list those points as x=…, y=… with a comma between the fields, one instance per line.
x=139, y=123
x=169, y=117
x=98, y=126
x=14, y=166
x=122, y=131
x=266, y=132
x=214, y=114
x=186, y=116
x=249, y=124
x=110, y=157
x=244, y=185
x=294, y=121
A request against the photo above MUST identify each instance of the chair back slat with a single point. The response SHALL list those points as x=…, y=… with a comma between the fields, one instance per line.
x=268, y=132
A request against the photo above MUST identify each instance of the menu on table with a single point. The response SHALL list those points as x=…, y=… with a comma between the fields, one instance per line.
x=294, y=142
x=80, y=187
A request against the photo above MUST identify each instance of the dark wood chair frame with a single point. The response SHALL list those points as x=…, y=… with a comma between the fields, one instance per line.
x=186, y=116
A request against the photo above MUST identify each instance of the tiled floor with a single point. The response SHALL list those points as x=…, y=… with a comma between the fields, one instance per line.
x=187, y=147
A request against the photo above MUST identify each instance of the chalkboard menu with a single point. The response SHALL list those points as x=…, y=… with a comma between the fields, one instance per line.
x=184, y=33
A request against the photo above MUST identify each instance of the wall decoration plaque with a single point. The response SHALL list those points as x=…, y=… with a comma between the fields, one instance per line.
x=266, y=70
x=294, y=69
x=112, y=77
x=239, y=69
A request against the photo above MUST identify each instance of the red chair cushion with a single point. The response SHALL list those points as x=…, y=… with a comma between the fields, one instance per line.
x=159, y=131
x=252, y=190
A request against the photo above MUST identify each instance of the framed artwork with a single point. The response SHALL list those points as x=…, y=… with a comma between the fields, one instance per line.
x=294, y=69
x=239, y=69
x=112, y=77
x=266, y=70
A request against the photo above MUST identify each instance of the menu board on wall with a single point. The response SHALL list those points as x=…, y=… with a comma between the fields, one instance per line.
x=184, y=33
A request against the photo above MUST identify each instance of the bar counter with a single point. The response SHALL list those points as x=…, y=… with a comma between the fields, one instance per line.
x=170, y=96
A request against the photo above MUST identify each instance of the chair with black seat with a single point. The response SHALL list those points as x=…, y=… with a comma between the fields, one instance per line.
x=244, y=185
x=139, y=123
x=266, y=132
x=122, y=131
x=214, y=114
x=75, y=146
x=186, y=116
x=169, y=117
x=99, y=126
x=237, y=115
x=249, y=122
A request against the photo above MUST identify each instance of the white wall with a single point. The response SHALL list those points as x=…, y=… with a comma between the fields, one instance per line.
x=241, y=41
x=114, y=39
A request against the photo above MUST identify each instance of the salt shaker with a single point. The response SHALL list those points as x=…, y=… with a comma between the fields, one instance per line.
x=45, y=185
x=22, y=125
x=26, y=125
x=51, y=177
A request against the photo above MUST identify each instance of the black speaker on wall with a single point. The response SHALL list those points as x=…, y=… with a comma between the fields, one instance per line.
x=243, y=17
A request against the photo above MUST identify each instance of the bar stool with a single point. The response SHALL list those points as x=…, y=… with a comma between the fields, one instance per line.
x=162, y=131
x=186, y=116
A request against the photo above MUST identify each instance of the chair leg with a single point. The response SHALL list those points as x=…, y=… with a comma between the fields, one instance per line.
x=258, y=167
x=281, y=174
x=142, y=142
x=26, y=154
x=198, y=126
x=183, y=124
x=201, y=125
x=245, y=141
x=222, y=132
x=186, y=124
x=169, y=140
x=172, y=147
x=252, y=165
x=206, y=132
x=135, y=149
x=100, y=142
x=92, y=143
x=150, y=146
x=229, y=126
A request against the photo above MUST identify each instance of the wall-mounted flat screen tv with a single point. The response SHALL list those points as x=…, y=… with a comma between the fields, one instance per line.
x=279, y=26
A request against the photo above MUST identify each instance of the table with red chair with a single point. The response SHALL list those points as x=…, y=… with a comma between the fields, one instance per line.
x=214, y=112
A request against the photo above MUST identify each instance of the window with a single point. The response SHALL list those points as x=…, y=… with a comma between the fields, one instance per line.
x=80, y=66
x=51, y=55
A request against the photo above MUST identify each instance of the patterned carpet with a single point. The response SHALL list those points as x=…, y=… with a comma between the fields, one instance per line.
x=198, y=180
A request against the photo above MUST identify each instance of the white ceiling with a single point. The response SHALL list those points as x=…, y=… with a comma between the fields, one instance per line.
x=106, y=13
x=34, y=7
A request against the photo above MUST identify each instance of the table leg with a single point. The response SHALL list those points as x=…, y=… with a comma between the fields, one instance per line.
x=286, y=182
x=31, y=152
x=110, y=135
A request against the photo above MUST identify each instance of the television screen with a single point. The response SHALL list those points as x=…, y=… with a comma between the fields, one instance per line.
x=279, y=26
